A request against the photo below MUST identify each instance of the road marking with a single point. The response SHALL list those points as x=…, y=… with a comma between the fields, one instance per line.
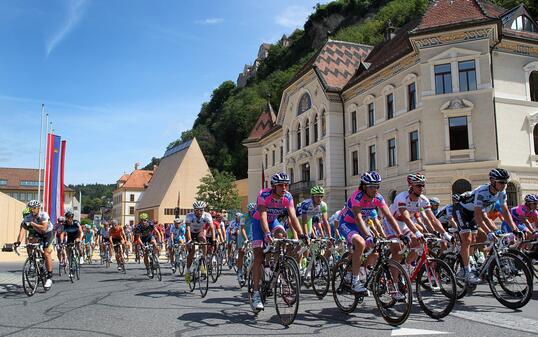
x=416, y=332
x=504, y=320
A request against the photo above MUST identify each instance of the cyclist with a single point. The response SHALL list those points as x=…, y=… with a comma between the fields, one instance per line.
x=271, y=203
x=353, y=226
x=245, y=235
x=73, y=231
x=524, y=216
x=117, y=239
x=58, y=229
x=197, y=223
x=232, y=234
x=104, y=237
x=177, y=236
x=40, y=229
x=146, y=232
x=406, y=210
x=88, y=241
x=313, y=213
x=470, y=214
x=444, y=215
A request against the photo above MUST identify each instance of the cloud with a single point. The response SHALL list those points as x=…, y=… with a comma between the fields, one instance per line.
x=75, y=12
x=292, y=17
x=209, y=21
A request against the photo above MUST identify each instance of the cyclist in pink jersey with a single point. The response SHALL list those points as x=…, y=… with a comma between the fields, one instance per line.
x=271, y=203
x=353, y=225
x=525, y=216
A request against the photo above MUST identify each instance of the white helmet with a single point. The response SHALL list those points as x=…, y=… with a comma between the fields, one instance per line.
x=198, y=204
x=34, y=204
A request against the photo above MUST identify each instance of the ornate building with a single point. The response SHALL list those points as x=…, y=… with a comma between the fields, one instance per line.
x=451, y=94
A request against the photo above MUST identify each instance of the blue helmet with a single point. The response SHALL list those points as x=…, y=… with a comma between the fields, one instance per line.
x=251, y=206
x=531, y=198
x=370, y=178
x=280, y=178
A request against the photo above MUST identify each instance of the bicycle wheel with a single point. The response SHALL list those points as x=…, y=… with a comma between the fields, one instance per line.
x=436, y=288
x=30, y=277
x=525, y=258
x=514, y=278
x=213, y=268
x=60, y=267
x=156, y=267
x=71, y=266
x=194, y=276
x=203, y=277
x=392, y=292
x=77, y=266
x=220, y=262
x=180, y=264
x=320, y=276
x=286, y=290
x=455, y=262
x=344, y=298
x=107, y=257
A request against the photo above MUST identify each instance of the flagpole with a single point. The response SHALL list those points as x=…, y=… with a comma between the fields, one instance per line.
x=40, y=151
x=80, y=205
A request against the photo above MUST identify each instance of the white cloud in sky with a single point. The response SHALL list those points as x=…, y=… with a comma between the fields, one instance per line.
x=293, y=16
x=209, y=21
x=75, y=11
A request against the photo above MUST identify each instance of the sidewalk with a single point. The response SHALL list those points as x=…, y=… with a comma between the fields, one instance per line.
x=13, y=257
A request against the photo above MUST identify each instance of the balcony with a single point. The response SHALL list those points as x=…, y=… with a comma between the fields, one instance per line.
x=301, y=187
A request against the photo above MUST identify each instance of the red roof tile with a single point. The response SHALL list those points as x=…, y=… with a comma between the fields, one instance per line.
x=447, y=12
x=15, y=176
x=138, y=179
x=264, y=124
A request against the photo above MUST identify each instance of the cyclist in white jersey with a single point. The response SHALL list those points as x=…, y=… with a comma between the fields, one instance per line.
x=196, y=223
x=470, y=214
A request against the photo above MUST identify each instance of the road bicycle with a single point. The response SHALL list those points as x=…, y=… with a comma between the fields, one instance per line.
x=180, y=258
x=33, y=270
x=73, y=259
x=316, y=272
x=388, y=282
x=119, y=253
x=280, y=278
x=153, y=266
x=200, y=273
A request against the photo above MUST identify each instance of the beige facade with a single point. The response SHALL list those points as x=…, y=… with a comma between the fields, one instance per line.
x=130, y=188
x=453, y=104
x=10, y=218
x=175, y=182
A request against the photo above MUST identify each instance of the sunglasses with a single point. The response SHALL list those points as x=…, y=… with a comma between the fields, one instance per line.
x=419, y=185
x=502, y=182
x=373, y=186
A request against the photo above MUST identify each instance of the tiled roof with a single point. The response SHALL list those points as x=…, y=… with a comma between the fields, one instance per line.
x=124, y=178
x=264, y=124
x=385, y=53
x=138, y=179
x=14, y=176
x=335, y=63
x=442, y=13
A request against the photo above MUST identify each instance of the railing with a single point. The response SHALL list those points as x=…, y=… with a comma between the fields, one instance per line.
x=301, y=187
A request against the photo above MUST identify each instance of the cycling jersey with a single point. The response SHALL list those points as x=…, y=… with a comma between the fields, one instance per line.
x=38, y=219
x=482, y=197
x=444, y=214
x=313, y=212
x=198, y=224
x=116, y=233
x=178, y=232
x=88, y=236
x=72, y=230
x=522, y=212
x=359, y=199
x=234, y=227
x=403, y=200
x=104, y=233
x=275, y=207
x=144, y=231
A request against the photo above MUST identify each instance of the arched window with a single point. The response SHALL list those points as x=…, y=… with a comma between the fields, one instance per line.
x=535, y=135
x=524, y=23
x=288, y=140
x=298, y=136
x=304, y=104
x=392, y=196
x=460, y=186
x=323, y=124
x=533, y=84
x=511, y=195
x=316, y=132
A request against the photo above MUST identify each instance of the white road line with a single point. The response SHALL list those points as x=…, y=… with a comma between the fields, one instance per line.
x=416, y=332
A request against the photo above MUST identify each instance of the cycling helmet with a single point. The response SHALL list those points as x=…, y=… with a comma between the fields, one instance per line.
x=114, y=222
x=456, y=197
x=61, y=219
x=25, y=211
x=143, y=216
x=280, y=178
x=531, y=198
x=251, y=206
x=177, y=220
x=499, y=174
x=416, y=178
x=198, y=204
x=370, y=178
x=34, y=204
x=435, y=201
x=317, y=190
x=238, y=214
x=69, y=214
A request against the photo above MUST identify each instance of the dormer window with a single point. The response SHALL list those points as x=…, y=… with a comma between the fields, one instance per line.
x=304, y=104
x=523, y=23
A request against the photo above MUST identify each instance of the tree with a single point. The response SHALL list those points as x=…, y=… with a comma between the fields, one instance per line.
x=218, y=190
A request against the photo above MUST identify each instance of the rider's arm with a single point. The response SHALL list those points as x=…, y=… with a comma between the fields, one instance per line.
x=304, y=222
x=435, y=223
x=81, y=233
x=42, y=227
x=386, y=212
x=508, y=216
x=188, y=232
x=263, y=218
x=244, y=232
x=326, y=226
x=377, y=225
x=407, y=219
x=479, y=217
x=336, y=231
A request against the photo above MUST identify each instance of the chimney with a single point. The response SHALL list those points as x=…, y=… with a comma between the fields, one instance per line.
x=389, y=31
x=137, y=165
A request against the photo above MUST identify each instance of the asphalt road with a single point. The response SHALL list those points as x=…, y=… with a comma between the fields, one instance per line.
x=106, y=303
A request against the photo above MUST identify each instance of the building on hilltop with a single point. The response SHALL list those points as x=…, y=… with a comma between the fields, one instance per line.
x=451, y=94
x=249, y=71
x=22, y=184
x=175, y=182
x=129, y=190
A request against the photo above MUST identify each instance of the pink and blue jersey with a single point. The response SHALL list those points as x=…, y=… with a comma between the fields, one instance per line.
x=359, y=199
x=522, y=212
x=275, y=207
